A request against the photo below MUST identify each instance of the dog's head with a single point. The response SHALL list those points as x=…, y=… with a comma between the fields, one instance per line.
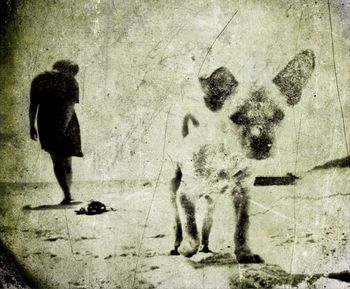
x=258, y=116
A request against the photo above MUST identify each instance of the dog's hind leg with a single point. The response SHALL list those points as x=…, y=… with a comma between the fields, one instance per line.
x=241, y=204
x=190, y=243
x=207, y=224
x=174, y=187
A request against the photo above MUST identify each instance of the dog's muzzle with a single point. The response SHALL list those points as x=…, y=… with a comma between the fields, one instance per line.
x=260, y=146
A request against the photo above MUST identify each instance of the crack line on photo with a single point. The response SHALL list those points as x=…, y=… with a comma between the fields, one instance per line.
x=211, y=46
x=68, y=234
x=279, y=214
x=152, y=199
x=297, y=133
x=336, y=78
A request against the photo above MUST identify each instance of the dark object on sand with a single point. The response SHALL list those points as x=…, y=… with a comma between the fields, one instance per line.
x=341, y=276
x=93, y=208
x=289, y=179
x=338, y=163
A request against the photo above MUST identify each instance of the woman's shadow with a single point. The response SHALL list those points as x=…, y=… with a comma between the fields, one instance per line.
x=50, y=207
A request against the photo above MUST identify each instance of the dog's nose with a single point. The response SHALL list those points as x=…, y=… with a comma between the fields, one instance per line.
x=261, y=146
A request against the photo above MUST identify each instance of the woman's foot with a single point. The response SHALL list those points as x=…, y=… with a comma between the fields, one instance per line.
x=66, y=201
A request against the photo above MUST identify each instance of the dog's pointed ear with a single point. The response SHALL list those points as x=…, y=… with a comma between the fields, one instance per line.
x=295, y=75
x=217, y=87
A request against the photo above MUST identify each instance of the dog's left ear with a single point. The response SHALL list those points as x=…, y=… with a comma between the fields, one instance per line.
x=295, y=75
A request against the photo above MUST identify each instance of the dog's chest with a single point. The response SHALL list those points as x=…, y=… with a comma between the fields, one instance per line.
x=213, y=149
x=213, y=129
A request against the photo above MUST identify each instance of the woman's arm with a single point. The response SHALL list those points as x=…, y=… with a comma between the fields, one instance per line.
x=32, y=113
x=71, y=100
x=33, y=107
x=67, y=115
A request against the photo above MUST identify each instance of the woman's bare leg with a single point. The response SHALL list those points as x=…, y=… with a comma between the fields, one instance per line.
x=63, y=172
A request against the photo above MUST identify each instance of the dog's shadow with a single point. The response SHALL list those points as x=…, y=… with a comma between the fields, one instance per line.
x=201, y=260
x=260, y=276
x=50, y=207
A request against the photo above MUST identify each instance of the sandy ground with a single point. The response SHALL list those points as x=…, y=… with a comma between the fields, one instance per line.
x=299, y=230
x=10, y=276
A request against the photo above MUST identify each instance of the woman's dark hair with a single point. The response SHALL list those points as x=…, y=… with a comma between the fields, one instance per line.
x=66, y=66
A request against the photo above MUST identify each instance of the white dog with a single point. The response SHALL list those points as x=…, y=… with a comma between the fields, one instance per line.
x=221, y=147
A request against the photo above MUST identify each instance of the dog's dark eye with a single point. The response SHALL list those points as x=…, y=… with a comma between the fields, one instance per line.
x=240, y=118
x=222, y=174
x=277, y=116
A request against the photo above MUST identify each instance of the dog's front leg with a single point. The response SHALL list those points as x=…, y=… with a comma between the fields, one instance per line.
x=190, y=243
x=241, y=204
x=174, y=187
x=207, y=224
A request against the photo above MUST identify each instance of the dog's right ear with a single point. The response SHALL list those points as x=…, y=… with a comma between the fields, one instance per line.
x=217, y=87
x=295, y=75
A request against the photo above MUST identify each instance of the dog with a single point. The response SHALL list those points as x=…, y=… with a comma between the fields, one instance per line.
x=222, y=142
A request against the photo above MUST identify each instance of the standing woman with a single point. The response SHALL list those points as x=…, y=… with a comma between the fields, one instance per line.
x=53, y=94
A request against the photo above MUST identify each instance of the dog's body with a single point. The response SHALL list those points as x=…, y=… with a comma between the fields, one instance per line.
x=221, y=140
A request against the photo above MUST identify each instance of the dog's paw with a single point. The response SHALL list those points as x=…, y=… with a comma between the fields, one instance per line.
x=205, y=249
x=249, y=258
x=188, y=247
x=174, y=252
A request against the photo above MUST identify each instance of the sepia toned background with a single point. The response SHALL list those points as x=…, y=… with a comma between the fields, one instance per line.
x=139, y=66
